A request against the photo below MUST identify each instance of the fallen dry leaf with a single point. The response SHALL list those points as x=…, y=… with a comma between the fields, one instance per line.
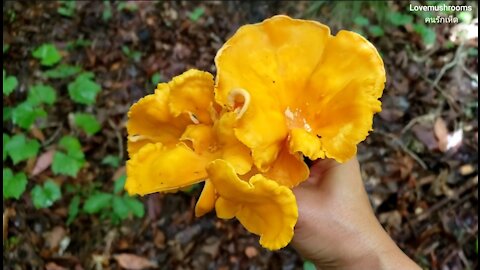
x=391, y=219
x=7, y=213
x=54, y=266
x=37, y=133
x=43, y=162
x=426, y=136
x=454, y=140
x=119, y=172
x=159, y=239
x=212, y=246
x=441, y=133
x=466, y=169
x=132, y=261
x=251, y=252
x=53, y=237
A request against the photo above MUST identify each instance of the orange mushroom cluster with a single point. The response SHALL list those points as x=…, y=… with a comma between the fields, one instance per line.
x=285, y=89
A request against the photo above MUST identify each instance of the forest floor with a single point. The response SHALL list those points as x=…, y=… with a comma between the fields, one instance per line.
x=419, y=164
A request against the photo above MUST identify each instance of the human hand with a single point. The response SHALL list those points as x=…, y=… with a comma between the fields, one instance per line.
x=337, y=228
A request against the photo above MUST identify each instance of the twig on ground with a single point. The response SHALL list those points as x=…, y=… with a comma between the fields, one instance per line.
x=473, y=182
x=399, y=142
x=471, y=75
x=429, y=117
x=456, y=60
x=119, y=138
x=449, y=98
x=54, y=136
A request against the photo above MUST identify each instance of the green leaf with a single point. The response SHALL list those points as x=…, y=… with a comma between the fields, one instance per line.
x=428, y=35
x=190, y=189
x=399, y=19
x=6, y=139
x=13, y=185
x=126, y=51
x=9, y=83
x=156, y=78
x=135, y=205
x=72, y=146
x=73, y=209
x=308, y=265
x=20, y=148
x=41, y=93
x=107, y=11
x=67, y=9
x=47, y=54
x=135, y=55
x=361, y=21
x=376, y=30
x=80, y=42
x=66, y=165
x=127, y=6
x=87, y=122
x=62, y=71
x=7, y=113
x=111, y=160
x=119, y=184
x=84, y=90
x=120, y=207
x=97, y=202
x=5, y=47
x=465, y=16
x=44, y=196
x=196, y=14
x=25, y=114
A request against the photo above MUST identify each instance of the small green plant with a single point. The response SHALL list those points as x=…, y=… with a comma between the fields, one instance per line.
x=9, y=83
x=6, y=139
x=196, y=14
x=5, y=47
x=40, y=93
x=47, y=54
x=97, y=201
x=428, y=34
x=69, y=159
x=73, y=209
x=79, y=43
x=115, y=206
x=12, y=15
x=156, y=78
x=135, y=55
x=20, y=148
x=308, y=265
x=111, y=160
x=84, y=89
x=465, y=16
x=7, y=113
x=67, y=8
x=376, y=30
x=14, y=185
x=11, y=242
x=62, y=71
x=129, y=6
x=107, y=11
x=44, y=196
x=26, y=113
x=362, y=22
x=399, y=19
x=87, y=122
